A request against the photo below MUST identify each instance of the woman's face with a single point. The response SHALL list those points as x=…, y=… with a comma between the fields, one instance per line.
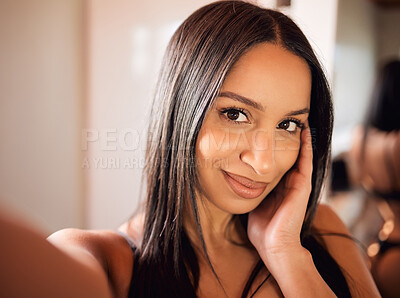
x=251, y=136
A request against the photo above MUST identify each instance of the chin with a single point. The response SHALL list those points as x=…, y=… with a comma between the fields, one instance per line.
x=238, y=205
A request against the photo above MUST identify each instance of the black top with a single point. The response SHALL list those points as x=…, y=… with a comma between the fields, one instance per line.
x=325, y=264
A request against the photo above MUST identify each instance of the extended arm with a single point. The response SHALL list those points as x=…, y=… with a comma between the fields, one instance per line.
x=32, y=267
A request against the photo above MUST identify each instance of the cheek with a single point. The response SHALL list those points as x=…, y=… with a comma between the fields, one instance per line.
x=288, y=159
x=287, y=142
x=214, y=146
x=211, y=155
x=287, y=149
x=207, y=145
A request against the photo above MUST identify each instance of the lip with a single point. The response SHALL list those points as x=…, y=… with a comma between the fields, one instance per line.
x=244, y=187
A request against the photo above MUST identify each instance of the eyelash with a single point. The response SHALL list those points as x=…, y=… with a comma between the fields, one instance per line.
x=298, y=123
x=234, y=109
x=223, y=112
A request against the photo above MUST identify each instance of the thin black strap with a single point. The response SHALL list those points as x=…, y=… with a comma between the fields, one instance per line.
x=129, y=240
x=251, y=278
x=260, y=285
x=253, y=275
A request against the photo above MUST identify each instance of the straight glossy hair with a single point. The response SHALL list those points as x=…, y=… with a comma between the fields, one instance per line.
x=198, y=58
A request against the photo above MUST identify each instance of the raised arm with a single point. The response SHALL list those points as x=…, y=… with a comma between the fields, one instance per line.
x=274, y=230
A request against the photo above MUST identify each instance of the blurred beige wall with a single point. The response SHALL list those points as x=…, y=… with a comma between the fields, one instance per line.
x=318, y=21
x=355, y=60
x=41, y=110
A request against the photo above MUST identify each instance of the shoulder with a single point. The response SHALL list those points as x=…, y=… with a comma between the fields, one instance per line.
x=327, y=219
x=108, y=248
x=343, y=249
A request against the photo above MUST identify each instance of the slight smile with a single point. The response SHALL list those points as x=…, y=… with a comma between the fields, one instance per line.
x=244, y=187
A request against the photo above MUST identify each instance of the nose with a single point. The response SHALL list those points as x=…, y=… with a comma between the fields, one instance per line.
x=260, y=154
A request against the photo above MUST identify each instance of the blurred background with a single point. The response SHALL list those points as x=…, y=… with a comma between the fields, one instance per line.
x=76, y=81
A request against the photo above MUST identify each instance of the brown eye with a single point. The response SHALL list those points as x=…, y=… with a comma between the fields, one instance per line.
x=235, y=115
x=288, y=125
x=284, y=125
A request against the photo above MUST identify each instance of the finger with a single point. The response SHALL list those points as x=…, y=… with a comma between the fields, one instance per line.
x=305, y=165
x=300, y=181
x=300, y=178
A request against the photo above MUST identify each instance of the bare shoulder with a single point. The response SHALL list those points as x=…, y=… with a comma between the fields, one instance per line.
x=336, y=236
x=326, y=220
x=108, y=248
x=345, y=251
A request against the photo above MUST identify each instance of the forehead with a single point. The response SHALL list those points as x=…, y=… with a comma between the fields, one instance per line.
x=271, y=75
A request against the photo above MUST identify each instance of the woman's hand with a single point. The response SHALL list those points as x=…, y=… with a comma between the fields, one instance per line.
x=274, y=226
x=274, y=230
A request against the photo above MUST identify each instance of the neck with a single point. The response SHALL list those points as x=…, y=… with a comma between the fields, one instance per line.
x=216, y=225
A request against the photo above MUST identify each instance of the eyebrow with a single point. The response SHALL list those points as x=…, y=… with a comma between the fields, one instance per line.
x=299, y=112
x=242, y=99
x=256, y=105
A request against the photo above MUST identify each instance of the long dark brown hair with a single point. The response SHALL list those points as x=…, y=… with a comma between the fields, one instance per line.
x=198, y=58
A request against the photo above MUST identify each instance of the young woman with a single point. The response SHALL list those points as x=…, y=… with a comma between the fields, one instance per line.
x=233, y=178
